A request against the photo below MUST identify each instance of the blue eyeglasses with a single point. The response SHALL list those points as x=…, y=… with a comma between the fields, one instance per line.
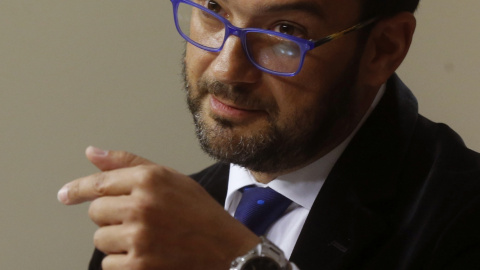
x=272, y=52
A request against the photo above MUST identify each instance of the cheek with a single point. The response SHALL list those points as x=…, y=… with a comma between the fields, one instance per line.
x=300, y=92
x=309, y=99
x=326, y=64
x=197, y=61
x=298, y=101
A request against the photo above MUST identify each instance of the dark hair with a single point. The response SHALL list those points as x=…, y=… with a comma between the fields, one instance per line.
x=387, y=8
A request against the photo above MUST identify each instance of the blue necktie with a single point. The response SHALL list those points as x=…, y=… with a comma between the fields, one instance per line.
x=260, y=207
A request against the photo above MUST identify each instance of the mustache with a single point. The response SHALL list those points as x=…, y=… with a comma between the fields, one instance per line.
x=240, y=95
x=237, y=94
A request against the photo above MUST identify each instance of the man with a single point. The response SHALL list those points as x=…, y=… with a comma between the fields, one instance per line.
x=325, y=122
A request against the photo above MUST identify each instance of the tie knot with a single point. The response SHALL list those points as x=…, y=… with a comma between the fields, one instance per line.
x=260, y=207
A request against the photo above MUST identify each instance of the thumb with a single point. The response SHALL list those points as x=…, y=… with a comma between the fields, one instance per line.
x=111, y=160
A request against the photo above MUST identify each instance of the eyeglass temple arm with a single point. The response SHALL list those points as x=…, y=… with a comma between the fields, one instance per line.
x=344, y=32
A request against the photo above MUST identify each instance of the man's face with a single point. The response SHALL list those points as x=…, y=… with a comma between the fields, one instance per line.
x=269, y=123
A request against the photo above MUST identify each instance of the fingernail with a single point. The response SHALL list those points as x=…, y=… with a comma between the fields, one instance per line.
x=62, y=195
x=97, y=151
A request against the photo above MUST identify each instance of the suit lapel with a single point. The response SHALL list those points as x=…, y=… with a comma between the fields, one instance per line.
x=215, y=180
x=350, y=214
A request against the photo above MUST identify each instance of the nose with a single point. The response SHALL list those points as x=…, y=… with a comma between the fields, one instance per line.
x=232, y=66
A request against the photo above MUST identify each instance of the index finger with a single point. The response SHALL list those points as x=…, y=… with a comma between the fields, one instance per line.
x=110, y=183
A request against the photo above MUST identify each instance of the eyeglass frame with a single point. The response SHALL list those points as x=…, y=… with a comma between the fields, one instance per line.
x=305, y=45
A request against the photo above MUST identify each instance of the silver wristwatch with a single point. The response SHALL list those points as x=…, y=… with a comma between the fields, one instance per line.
x=265, y=256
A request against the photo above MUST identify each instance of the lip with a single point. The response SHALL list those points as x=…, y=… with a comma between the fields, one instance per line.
x=232, y=112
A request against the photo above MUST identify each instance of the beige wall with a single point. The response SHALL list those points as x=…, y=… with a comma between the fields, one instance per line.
x=81, y=72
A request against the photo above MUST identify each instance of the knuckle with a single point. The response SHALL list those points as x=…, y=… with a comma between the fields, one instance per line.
x=125, y=156
x=151, y=175
x=142, y=261
x=137, y=238
x=129, y=158
x=92, y=210
x=99, y=185
x=130, y=238
x=147, y=175
x=96, y=239
x=143, y=207
x=139, y=209
x=137, y=264
x=140, y=240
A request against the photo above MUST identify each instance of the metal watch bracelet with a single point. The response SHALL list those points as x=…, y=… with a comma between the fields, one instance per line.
x=264, y=250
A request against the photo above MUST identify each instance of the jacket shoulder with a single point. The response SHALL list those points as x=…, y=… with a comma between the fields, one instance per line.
x=207, y=175
x=214, y=180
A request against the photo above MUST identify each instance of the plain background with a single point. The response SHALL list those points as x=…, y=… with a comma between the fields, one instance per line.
x=107, y=73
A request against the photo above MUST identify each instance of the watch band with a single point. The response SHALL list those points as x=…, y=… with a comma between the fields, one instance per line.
x=265, y=254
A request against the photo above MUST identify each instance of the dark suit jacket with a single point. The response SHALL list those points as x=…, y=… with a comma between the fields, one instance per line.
x=405, y=194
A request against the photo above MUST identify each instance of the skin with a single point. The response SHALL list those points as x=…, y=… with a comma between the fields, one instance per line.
x=281, y=98
x=152, y=217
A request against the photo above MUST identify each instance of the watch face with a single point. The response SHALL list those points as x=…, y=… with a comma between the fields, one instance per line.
x=261, y=263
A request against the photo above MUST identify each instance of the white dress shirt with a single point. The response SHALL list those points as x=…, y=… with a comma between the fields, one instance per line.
x=301, y=186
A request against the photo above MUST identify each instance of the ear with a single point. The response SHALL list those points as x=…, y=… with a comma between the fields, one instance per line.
x=386, y=47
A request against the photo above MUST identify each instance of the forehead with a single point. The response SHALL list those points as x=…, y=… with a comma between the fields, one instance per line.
x=330, y=10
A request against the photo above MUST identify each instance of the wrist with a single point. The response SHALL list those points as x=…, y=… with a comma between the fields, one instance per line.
x=264, y=255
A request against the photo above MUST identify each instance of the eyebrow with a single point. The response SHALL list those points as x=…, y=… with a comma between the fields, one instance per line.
x=307, y=7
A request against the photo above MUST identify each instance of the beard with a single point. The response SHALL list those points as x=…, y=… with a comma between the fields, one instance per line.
x=278, y=146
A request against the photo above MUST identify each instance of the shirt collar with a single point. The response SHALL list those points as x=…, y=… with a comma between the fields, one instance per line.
x=301, y=186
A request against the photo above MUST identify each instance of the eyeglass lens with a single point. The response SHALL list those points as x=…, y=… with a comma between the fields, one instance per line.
x=201, y=27
x=270, y=51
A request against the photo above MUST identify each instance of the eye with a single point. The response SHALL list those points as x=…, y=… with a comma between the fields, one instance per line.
x=214, y=6
x=290, y=29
